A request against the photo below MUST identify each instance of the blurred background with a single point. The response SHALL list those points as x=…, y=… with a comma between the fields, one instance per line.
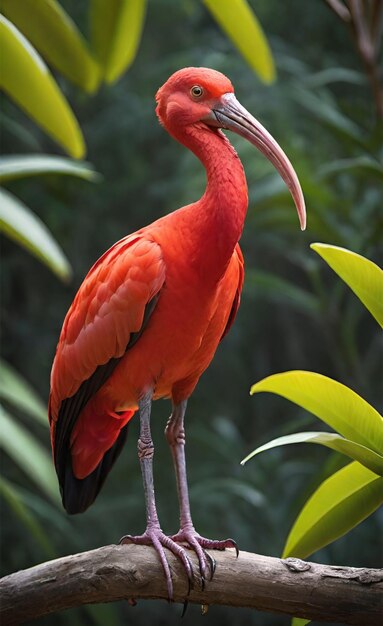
x=295, y=313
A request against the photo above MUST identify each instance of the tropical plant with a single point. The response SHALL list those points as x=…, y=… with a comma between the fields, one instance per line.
x=355, y=491
x=116, y=31
x=31, y=27
x=292, y=314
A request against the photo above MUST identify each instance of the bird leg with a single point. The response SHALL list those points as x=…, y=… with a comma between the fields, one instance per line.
x=153, y=534
x=175, y=434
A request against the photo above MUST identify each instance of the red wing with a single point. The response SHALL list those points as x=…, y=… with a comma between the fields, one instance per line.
x=107, y=311
x=237, y=298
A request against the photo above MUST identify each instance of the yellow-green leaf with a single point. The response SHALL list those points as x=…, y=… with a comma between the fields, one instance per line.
x=21, y=165
x=28, y=453
x=15, y=389
x=53, y=33
x=340, y=503
x=355, y=451
x=19, y=223
x=363, y=276
x=238, y=21
x=27, y=80
x=116, y=28
x=335, y=404
x=299, y=621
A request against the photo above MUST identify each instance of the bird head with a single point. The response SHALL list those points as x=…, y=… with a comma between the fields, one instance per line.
x=196, y=96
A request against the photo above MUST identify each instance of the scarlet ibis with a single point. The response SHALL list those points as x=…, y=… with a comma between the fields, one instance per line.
x=149, y=316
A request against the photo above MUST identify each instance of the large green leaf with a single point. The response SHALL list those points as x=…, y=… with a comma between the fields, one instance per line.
x=53, y=33
x=116, y=28
x=26, y=79
x=238, y=21
x=11, y=495
x=28, y=453
x=299, y=621
x=15, y=389
x=340, y=503
x=21, y=165
x=337, y=405
x=363, y=276
x=355, y=451
x=17, y=221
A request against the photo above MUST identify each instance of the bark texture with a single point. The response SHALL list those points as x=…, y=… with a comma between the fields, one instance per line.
x=344, y=595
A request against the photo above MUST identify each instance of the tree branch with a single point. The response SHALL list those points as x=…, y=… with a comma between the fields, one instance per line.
x=338, y=594
x=366, y=30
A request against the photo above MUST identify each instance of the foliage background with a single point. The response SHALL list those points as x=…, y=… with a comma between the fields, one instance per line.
x=294, y=312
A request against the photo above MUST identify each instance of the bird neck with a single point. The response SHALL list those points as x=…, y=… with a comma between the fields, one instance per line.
x=217, y=219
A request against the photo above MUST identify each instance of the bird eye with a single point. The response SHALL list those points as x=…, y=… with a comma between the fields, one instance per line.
x=196, y=91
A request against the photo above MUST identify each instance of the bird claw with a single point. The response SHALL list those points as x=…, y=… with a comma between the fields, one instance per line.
x=156, y=538
x=192, y=541
x=186, y=604
x=195, y=542
x=212, y=563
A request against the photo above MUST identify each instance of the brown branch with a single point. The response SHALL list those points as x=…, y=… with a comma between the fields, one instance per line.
x=340, y=9
x=367, y=48
x=337, y=594
x=366, y=31
x=376, y=24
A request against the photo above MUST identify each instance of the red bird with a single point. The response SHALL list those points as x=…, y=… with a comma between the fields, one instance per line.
x=150, y=314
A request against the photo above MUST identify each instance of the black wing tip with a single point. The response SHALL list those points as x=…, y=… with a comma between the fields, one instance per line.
x=78, y=494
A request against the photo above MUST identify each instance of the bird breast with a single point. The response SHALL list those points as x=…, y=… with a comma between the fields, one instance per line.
x=180, y=339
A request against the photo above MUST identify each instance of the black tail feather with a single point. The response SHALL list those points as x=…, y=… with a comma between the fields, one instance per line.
x=78, y=494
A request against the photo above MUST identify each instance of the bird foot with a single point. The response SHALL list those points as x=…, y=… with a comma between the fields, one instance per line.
x=199, y=544
x=156, y=538
x=192, y=541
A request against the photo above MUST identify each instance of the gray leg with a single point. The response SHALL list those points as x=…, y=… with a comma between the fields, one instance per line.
x=153, y=534
x=175, y=434
x=145, y=448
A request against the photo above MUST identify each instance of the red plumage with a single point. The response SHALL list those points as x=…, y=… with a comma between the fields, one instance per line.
x=150, y=314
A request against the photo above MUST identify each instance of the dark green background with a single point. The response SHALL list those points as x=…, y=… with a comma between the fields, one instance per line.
x=295, y=313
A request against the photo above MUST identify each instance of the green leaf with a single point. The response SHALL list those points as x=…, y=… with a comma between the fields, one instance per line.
x=232, y=486
x=328, y=114
x=355, y=451
x=335, y=404
x=20, y=133
x=238, y=21
x=52, y=516
x=20, y=166
x=340, y=503
x=116, y=28
x=279, y=289
x=363, y=276
x=28, y=453
x=362, y=164
x=53, y=33
x=11, y=495
x=334, y=75
x=26, y=79
x=299, y=621
x=19, y=223
x=103, y=614
x=15, y=389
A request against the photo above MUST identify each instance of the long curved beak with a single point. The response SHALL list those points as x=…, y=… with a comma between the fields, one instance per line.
x=229, y=114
